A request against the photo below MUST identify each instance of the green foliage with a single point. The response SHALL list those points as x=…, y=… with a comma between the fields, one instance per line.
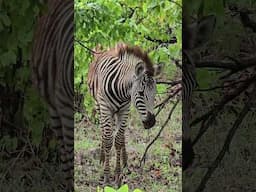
x=161, y=88
x=133, y=22
x=17, y=23
x=35, y=114
x=123, y=188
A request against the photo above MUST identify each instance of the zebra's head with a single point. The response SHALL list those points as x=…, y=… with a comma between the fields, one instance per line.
x=143, y=95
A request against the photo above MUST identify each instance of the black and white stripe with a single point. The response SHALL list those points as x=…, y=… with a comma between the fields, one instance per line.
x=53, y=75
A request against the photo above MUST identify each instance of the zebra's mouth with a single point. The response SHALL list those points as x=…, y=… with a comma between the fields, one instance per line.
x=150, y=122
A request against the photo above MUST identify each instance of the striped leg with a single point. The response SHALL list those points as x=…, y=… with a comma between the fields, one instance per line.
x=57, y=128
x=106, y=123
x=122, y=118
x=67, y=119
x=102, y=153
x=56, y=125
x=68, y=164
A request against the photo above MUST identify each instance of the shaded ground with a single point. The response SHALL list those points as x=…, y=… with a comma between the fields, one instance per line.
x=28, y=174
x=158, y=174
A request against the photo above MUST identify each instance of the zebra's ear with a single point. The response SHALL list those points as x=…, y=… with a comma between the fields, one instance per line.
x=158, y=69
x=139, y=69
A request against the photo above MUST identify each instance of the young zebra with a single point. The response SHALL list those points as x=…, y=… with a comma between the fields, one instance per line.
x=53, y=75
x=117, y=77
x=193, y=37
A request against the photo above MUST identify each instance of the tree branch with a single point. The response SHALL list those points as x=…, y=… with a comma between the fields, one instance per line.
x=172, y=83
x=143, y=159
x=229, y=65
x=159, y=41
x=221, y=87
x=87, y=48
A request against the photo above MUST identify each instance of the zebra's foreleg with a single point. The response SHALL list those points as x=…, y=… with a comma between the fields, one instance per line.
x=120, y=143
x=107, y=141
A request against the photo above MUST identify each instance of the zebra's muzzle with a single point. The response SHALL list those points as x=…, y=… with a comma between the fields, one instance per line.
x=150, y=122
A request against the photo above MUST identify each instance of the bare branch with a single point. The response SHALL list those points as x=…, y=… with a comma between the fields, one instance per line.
x=221, y=87
x=159, y=41
x=87, y=48
x=172, y=83
x=229, y=65
x=159, y=133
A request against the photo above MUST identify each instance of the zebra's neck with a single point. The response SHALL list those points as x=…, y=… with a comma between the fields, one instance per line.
x=128, y=77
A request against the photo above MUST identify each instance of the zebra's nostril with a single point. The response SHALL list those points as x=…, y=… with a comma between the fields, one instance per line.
x=150, y=122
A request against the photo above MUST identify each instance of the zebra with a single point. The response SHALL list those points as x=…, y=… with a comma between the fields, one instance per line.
x=193, y=37
x=53, y=75
x=118, y=77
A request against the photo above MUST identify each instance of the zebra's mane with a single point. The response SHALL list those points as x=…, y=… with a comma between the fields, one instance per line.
x=122, y=48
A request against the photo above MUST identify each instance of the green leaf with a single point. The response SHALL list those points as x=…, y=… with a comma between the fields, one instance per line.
x=124, y=188
x=137, y=190
x=5, y=19
x=7, y=58
x=109, y=189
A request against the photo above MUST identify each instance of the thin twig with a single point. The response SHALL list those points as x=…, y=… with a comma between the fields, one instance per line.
x=221, y=87
x=87, y=48
x=159, y=133
x=172, y=83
